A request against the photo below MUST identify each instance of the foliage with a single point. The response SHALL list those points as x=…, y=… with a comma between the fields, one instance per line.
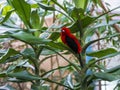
x=45, y=40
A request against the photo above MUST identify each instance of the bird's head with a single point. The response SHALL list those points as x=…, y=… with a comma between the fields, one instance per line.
x=65, y=30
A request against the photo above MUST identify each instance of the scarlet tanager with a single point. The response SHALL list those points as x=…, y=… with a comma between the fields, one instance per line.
x=71, y=41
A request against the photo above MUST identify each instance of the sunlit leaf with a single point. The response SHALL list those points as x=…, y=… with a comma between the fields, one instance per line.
x=54, y=36
x=23, y=9
x=6, y=9
x=6, y=16
x=28, y=38
x=102, y=53
x=35, y=20
x=80, y=4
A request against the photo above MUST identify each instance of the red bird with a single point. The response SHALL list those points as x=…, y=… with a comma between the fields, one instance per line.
x=70, y=40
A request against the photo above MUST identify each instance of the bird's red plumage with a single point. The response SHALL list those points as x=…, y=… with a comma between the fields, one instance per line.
x=70, y=40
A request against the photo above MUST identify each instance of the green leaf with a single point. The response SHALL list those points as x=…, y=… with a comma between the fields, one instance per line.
x=23, y=10
x=23, y=75
x=102, y=53
x=104, y=23
x=13, y=58
x=20, y=66
x=6, y=9
x=112, y=70
x=80, y=3
x=28, y=52
x=48, y=52
x=46, y=7
x=35, y=20
x=9, y=53
x=38, y=87
x=82, y=24
x=54, y=36
x=6, y=16
x=3, y=74
x=92, y=62
x=59, y=46
x=28, y=38
x=106, y=76
x=87, y=20
x=93, y=41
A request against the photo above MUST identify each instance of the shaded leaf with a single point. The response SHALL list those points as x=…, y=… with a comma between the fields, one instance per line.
x=82, y=24
x=28, y=52
x=59, y=46
x=9, y=53
x=37, y=87
x=20, y=66
x=48, y=52
x=87, y=20
x=3, y=74
x=13, y=58
x=23, y=75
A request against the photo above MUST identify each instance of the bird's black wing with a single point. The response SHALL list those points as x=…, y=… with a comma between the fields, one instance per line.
x=72, y=44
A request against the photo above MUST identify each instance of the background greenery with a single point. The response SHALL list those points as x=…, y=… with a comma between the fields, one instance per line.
x=25, y=21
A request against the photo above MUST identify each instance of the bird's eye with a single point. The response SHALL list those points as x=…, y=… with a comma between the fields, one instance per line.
x=63, y=30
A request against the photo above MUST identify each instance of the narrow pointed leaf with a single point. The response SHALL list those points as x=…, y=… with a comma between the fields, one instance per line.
x=9, y=53
x=6, y=16
x=35, y=20
x=28, y=38
x=102, y=53
x=114, y=69
x=106, y=76
x=38, y=87
x=46, y=7
x=23, y=75
x=23, y=9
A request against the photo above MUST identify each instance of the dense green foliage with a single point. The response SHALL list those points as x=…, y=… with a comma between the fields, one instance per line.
x=44, y=40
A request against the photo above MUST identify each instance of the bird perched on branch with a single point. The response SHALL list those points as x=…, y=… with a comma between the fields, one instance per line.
x=71, y=41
